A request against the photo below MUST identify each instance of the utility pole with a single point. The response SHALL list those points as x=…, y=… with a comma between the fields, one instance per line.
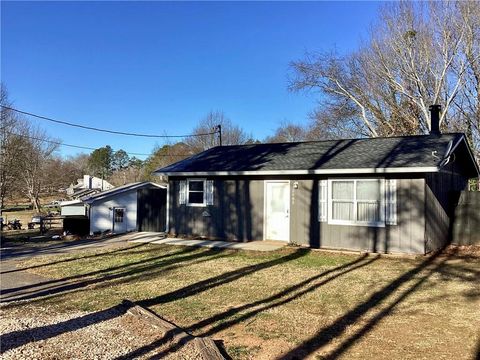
x=219, y=129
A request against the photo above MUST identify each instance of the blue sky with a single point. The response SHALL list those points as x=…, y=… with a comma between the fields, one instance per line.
x=159, y=67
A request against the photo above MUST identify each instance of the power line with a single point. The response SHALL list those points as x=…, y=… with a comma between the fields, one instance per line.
x=86, y=147
x=103, y=130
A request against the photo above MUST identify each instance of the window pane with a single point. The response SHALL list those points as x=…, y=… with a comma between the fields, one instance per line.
x=368, y=211
x=119, y=215
x=195, y=197
x=342, y=211
x=368, y=190
x=195, y=185
x=342, y=190
x=277, y=198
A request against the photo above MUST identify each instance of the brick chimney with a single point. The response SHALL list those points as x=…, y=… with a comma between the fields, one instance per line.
x=435, y=119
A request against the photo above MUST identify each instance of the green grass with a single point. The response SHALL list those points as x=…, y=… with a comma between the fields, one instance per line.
x=242, y=352
x=262, y=305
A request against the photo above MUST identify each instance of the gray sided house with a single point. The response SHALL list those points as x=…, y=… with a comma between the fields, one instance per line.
x=394, y=194
x=137, y=206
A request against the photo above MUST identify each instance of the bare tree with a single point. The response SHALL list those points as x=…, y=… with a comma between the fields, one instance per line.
x=288, y=132
x=33, y=158
x=60, y=172
x=231, y=134
x=10, y=144
x=415, y=57
x=467, y=103
x=163, y=156
x=75, y=167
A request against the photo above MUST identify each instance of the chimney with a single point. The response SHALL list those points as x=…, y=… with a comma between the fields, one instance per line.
x=87, y=182
x=435, y=119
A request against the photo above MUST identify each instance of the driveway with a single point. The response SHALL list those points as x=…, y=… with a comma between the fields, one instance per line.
x=17, y=283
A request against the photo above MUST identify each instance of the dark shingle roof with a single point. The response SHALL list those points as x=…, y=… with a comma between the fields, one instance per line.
x=316, y=156
x=119, y=190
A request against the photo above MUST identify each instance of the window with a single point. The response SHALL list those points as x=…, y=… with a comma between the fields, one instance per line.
x=195, y=192
x=356, y=202
x=118, y=215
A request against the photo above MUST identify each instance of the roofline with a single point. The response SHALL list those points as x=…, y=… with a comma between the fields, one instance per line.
x=332, y=140
x=306, y=172
x=71, y=202
x=472, y=157
x=116, y=191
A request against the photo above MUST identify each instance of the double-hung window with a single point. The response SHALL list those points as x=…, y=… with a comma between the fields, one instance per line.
x=196, y=192
x=356, y=202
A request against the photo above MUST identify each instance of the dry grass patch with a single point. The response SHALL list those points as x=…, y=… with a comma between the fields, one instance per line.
x=289, y=303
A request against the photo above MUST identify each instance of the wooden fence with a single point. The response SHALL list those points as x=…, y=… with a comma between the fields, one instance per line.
x=466, y=224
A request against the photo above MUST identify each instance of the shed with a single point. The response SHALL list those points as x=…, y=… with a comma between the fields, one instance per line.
x=73, y=208
x=136, y=206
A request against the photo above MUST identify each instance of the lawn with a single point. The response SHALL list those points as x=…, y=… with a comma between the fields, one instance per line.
x=292, y=303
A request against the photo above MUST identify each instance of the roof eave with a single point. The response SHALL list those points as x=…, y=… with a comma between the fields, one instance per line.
x=470, y=152
x=105, y=195
x=304, y=172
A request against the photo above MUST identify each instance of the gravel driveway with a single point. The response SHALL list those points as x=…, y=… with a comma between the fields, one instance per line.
x=39, y=332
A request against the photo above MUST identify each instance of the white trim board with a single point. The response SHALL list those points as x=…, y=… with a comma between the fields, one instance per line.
x=307, y=172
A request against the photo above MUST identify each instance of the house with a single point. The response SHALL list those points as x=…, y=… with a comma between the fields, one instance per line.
x=87, y=186
x=395, y=194
x=138, y=206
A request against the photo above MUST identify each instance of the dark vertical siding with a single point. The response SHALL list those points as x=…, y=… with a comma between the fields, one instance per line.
x=442, y=194
x=151, y=209
x=237, y=213
x=407, y=236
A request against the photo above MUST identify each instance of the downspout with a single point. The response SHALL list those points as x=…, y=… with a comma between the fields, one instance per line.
x=167, y=220
x=89, y=208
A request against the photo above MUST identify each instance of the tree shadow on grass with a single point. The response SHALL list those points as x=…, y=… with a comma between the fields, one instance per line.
x=18, y=338
x=281, y=298
x=63, y=281
x=327, y=334
x=106, y=253
x=384, y=301
x=130, y=272
x=477, y=350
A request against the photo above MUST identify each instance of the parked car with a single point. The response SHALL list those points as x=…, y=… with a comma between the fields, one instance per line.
x=36, y=220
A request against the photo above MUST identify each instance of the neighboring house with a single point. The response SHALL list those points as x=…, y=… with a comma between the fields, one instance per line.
x=87, y=186
x=394, y=194
x=137, y=206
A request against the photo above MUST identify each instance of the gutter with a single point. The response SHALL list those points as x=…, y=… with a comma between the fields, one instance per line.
x=431, y=169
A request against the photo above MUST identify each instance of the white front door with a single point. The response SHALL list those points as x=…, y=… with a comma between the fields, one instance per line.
x=277, y=210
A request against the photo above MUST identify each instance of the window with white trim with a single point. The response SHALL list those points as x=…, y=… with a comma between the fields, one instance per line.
x=356, y=202
x=196, y=192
